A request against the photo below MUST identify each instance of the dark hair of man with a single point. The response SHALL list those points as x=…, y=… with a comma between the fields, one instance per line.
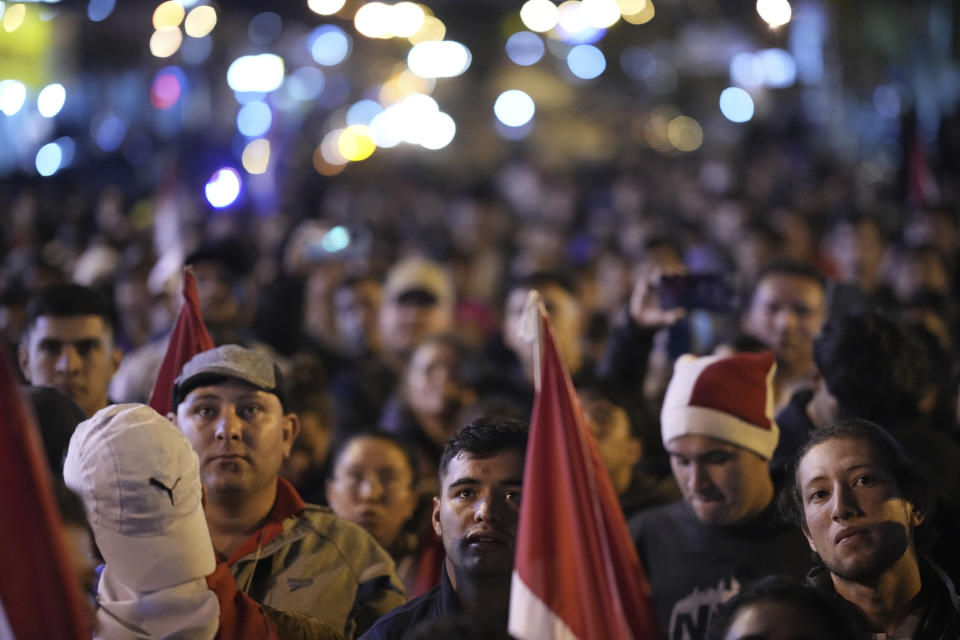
x=787, y=268
x=485, y=437
x=541, y=279
x=402, y=445
x=888, y=455
x=62, y=300
x=783, y=589
x=875, y=367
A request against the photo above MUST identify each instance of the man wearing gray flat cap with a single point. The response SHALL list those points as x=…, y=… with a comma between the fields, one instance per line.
x=229, y=402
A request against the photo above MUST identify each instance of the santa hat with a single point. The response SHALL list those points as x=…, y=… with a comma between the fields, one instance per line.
x=725, y=397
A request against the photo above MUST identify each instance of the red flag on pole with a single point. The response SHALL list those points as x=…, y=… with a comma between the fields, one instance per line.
x=39, y=592
x=576, y=573
x=189, y=338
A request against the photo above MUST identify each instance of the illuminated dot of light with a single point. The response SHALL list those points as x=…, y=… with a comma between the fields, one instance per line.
x=586, y=61
x=260, y=73
x=306, y=83
x=406, y=19
x=644, y=16
x=363, y=112
x=168, y=14
x=13, y=94
x=223, y=187
x=337, y=239
x=685, y=133
x=355, y=143
x=525, y=48
x=165, y=42
x=373, y=20
x=431, y=29
x=200, y=21
x=49, y=159
x=100, y=10
x=254, y=119
x=514, y=108
x=166, y=88
x=13, y=17
x=330, y=149
x=256, y=156
x=445, y=59
x=631, y=7
x=539, y=15
x=439, y=132
x=736, y=105
x=329, y=45
x=325, y=7
x=775, y=13
x=777, y=68
x=110, y=133
x=601, y=14
x=323, y=167
x=51, y=99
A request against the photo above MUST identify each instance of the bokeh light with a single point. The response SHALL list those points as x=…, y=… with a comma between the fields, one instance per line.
x=643, y=16
x=168, y=14
x=260, y=73
x=100, y=10
x=51, y=99
x=439, y=132
x=631, y=7
x=223, y=187
x=685, y=133
x=49, y=159
x=355, y=143
x=601, y=14
x=329, y=45
x=525, y=48
x=165, y=42
x=736, y=105
x=166, y=87
x=514, y=108
x=13, y=94
x=330, y=149
x=406, y=18
x=256, y=156
x=200, y=21
x=586, y=61
x=265, y=27
x=539, y=15
x=373, y=20
x=306, y=83
x=326, y=7
x=431, y=29
x=323, y=167
x=775, y=13
x=363, y=112
x=109, y=133
x=444, y=59
x=254, y=119
x=13, y=17
x=404, y=84
x=777, y=68
x=337, y=239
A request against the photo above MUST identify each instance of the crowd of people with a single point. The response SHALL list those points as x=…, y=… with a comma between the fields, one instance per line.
x=348, y=460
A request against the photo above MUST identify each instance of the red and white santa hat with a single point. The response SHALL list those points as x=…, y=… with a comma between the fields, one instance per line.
x=725, y=397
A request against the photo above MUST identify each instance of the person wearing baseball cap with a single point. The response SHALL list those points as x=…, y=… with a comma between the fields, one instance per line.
x=230, y=404
x=718, y=429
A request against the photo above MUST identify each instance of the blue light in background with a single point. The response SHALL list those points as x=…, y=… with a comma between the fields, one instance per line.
x=49, y=159
x=525, y=48
x=99, y=10
x=736, y=105
x=363, y=112
x=110, y=133
x=223, y=188
x=337, y=239
x=514, y=108
x=586, y=61
x=306, y=83
x=254, y=119
x=329, y=45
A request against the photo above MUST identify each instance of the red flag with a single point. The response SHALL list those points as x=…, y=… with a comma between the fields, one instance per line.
x=189, y=338
x=576, y=573
x=39, y=592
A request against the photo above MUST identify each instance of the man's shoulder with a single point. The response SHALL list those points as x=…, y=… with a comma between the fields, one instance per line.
x=317, y=526
x=401, y=621
x=664, y=516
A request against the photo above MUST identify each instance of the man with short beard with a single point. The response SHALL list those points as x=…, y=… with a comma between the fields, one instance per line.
x=861, y=505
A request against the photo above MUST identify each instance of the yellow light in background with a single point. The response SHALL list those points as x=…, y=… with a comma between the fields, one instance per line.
x=168, y=14
x=200, y=21
x=775, y=13
x=644, y=16
x=355, y=143
x=402, y=85
x=256, y=156
x=431, y=30
x=373, y=20
x=631, y=7
x=406, y=18
x=685, y=133
x=326, y=7
x=656, y=133
x=539, y=15
x=13, y=17
x=323, y=167
x=601, y=14
x=165, y=42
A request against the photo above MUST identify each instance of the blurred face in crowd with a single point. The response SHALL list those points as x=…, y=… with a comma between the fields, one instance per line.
x=776, y=620
x=356, y=310
x=724, y=484
x=619, y=450
x=372, y=485
x=431, y=387
x=477, y=512
x=787, y=313
x=219, y=305
x=856, y=519
x=856, y=249
x=73, y=354
x=240, y=434
x=408, y=318
x=566, y=319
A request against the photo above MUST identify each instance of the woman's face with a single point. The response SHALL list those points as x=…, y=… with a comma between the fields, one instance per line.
x=431, y=388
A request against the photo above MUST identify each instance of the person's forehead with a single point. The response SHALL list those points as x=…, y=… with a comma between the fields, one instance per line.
x=70, y=327
x=788, y=285
x=231, y=390
x=502, y=466
x=837, y=455
x=693, y=444
x=373, y=452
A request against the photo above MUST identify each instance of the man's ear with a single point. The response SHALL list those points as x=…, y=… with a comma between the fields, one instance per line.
x=435, y=517
x=23, y=358
x=291, y=429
